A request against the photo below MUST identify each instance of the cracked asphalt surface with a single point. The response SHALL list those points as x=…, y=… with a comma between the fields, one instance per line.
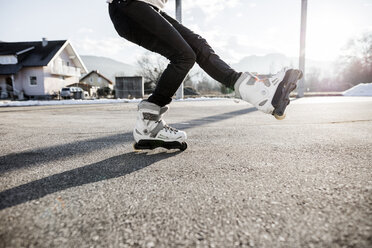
x=69, y=177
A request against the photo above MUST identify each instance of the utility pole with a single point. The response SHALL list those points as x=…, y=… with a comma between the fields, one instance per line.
x=301, y=86
x=179, y=93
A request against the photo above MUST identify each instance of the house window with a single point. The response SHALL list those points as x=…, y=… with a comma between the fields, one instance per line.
x=33, y=80
x=68, y=63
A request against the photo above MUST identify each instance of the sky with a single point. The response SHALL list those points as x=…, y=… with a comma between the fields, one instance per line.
x=234, y=28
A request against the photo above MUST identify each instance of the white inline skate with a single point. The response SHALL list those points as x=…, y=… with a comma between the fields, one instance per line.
x=152, y=132
x=269, y=95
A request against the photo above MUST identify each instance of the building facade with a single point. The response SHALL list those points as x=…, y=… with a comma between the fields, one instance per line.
x=94, y=78
x=38, y=69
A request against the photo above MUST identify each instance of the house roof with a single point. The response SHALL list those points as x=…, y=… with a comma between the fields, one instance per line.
x=99, y=74
x=9, y=69
x=31, y=54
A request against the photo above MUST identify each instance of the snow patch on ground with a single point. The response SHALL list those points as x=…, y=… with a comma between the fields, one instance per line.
x=359, y=90
x=96, y=101
x=330, y=99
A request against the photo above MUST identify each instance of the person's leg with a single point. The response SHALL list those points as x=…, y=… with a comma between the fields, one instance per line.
x=207, y=59
x=142, y=24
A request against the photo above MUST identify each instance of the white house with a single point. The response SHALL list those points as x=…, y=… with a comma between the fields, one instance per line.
x=95, y=78
x=38, y=69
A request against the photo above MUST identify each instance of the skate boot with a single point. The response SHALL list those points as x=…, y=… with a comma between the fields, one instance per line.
x=269, y=95
x=152, y=132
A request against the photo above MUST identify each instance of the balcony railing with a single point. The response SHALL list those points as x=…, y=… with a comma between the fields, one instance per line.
x=65, y=70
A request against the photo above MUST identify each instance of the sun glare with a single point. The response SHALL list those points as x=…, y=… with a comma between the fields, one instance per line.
x=327, y=34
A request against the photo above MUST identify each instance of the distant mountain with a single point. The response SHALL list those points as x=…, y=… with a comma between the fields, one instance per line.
x=108, y=67
x=272, y=63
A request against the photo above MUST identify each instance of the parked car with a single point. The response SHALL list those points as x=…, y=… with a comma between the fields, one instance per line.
x=72, y=93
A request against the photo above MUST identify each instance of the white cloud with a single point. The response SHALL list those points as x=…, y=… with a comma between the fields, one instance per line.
x=210, y=8
x=85, y=30
x=116, y=48
x=109, y=45
x=273, y=30
x=232, y=28
x=252, y=5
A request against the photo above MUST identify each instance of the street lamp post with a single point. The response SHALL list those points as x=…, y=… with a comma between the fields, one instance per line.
x=301, y=85
x=179, y=10
x=179, y=93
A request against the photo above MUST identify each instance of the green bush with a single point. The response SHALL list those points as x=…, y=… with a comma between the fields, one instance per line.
x=104, y=92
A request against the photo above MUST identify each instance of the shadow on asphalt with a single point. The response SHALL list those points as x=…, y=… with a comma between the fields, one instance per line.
x=53, y=153
x=114, y=167
x=212, y=119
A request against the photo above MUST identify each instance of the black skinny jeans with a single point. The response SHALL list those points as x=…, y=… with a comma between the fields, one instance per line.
x=154, y=30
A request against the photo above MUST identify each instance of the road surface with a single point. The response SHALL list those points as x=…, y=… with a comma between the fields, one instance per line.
x=70, y=178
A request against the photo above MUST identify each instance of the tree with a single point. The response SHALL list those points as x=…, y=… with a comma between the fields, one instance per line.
x=312, y=82
x=103, y=92
x=207, y=85
x=357, y=61
x=225, y=90
x=151, y=68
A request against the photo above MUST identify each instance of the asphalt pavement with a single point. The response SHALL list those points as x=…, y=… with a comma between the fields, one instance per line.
x=69, y=177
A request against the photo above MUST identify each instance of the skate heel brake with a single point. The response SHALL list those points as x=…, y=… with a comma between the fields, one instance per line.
x=286, y=86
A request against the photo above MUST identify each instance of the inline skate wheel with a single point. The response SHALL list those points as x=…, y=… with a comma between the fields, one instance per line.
x=183, y=146
x=135, y=147
x=279, y=117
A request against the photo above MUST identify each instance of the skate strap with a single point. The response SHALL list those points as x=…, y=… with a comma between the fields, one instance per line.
x=164, y=109
x=155, y=117
x=157, y=129
x=253, y=76
x=150, y=117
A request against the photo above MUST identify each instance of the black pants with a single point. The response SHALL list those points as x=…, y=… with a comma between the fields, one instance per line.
x=154, y=30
